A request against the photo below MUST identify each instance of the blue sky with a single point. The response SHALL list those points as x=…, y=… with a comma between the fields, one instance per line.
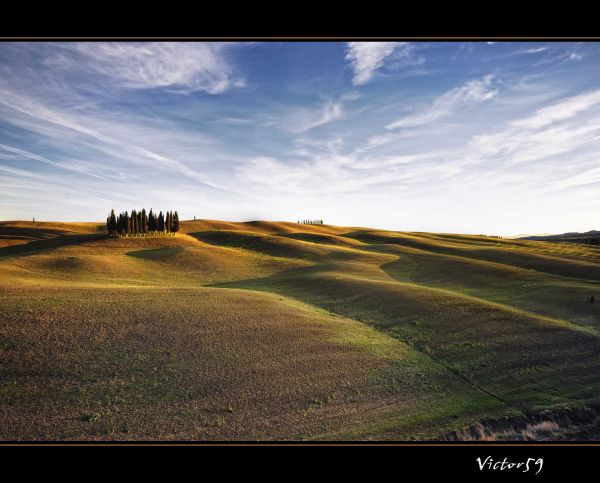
x=477, y=137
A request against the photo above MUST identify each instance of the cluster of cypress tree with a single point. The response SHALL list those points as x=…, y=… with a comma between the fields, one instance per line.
x=138, y=223
x=311, y=222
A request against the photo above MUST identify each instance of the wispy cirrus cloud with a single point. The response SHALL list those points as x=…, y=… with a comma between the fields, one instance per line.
x=560, y=111
x=178, y=66
x=528, y=51
x=76, y=167
x=367, y=57
x=473, y=92
x=576, y=56
x=134, y=141
x=303, y=119
x=565, y=126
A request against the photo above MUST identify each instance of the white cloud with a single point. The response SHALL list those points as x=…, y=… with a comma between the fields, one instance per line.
x=525, y=145
x=320, y=176
x=137, y=144
x=473, y=92
x=554, y=136
x=331, y=112
x=367, y=57
x=304, y=119
x=77, y=167
x=184, y=66
x=529, y=51
x=379, y=140
x=326, y=168
x=576, y=56
x=560, y=111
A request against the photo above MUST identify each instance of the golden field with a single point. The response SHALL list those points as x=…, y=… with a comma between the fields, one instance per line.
x=275, y=330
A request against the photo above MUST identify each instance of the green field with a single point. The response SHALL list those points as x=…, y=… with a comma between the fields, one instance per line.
x=270, y=331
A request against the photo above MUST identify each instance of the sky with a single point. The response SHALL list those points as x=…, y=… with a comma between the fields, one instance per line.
x=498, y=138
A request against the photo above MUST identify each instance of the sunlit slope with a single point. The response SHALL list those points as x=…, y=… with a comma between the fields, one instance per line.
x=556, y=260
x=538, y=292
x=263, y=227
x=522, y=358
x=444, y=328
x=509, y=330
x=208, y=364
x=75, y=258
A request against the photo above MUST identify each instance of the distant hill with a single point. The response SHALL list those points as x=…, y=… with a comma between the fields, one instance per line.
x=589, y=237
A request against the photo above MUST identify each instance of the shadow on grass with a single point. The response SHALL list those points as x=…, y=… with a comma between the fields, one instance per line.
x=282, y=245
x=49, y=242
x=156, y=253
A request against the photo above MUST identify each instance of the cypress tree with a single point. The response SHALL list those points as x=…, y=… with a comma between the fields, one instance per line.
x=140, y=223
x=144, y=222
x=151, y=222
x=112, y=223
x=134, y=222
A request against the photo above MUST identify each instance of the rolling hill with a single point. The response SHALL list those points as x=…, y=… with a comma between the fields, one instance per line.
x=275, y=330
x=589, y=237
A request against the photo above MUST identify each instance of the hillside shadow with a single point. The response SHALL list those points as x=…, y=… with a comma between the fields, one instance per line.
x=272, y=283
x=282, y=245
x=156, y=253
x=23, y=233
x=46, y=240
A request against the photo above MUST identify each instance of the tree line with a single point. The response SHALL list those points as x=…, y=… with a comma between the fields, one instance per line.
x=138, y=223
x=311, y=222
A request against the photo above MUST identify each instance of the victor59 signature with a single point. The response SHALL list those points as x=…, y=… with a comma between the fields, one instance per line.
x=524, y=466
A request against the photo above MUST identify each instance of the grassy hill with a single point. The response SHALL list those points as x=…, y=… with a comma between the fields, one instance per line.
x=274, y=330
x=588, y=238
